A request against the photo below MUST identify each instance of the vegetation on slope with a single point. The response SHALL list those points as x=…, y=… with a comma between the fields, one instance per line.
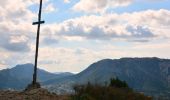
x=116, y=90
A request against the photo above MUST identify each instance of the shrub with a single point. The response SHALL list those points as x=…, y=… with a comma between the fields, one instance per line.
x=118, y=83
x=117, y=90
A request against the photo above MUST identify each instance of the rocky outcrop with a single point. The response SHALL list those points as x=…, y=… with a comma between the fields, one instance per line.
x=35, y=94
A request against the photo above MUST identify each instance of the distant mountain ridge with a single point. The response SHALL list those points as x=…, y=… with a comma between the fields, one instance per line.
x=142, y=74
x=148, y=75
x=20, y=76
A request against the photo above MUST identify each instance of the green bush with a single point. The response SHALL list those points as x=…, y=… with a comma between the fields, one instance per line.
x=118, y=83
x=117, y=90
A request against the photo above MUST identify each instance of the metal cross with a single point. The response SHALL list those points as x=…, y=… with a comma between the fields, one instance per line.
x=37, y=43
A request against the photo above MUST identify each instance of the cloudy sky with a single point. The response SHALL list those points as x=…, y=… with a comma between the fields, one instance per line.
x=80, y=32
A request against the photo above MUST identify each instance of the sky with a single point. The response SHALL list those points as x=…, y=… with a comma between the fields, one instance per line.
x=78, y=33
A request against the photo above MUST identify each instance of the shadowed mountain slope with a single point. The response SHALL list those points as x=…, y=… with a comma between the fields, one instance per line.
x=142, y=74
x=21, y=75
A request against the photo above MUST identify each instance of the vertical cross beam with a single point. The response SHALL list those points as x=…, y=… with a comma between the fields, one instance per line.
x=37, y=43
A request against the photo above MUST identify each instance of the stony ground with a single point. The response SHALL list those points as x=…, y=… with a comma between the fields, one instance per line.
x=36, y=94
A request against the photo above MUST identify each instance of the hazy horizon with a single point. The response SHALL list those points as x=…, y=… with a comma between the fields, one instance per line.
x=78, y=33
x=42, y=67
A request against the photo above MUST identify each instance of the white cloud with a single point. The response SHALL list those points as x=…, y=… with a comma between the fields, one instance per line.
x=76, y=59
x=101, y=6
x=98, y=6
x=145, y=31
x=15, y=25
x=66, y=59
x=137, y=26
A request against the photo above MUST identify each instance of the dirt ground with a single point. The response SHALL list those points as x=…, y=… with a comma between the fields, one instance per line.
x=36, y=94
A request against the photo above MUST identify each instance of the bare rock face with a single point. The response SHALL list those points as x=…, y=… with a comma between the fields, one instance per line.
x=33, y=94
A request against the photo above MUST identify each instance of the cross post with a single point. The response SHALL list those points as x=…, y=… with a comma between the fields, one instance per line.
x=34, y=82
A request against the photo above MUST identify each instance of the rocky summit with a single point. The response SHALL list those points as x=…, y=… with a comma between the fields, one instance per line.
x=35, y=94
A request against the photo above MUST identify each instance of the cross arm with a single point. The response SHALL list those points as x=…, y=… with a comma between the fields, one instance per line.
x=40, y=22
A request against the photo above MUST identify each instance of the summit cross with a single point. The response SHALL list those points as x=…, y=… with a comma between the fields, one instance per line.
x=39, y=22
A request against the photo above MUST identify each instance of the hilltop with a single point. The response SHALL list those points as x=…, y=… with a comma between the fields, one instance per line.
x=36, y=94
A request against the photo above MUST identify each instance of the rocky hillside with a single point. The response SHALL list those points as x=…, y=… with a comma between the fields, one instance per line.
x=37, y=94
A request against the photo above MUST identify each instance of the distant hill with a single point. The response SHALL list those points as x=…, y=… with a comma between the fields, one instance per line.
x=149, y=75
x=140, y=73
x=20, y=76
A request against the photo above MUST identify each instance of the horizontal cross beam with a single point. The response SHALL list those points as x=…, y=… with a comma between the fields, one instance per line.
x=41, y=22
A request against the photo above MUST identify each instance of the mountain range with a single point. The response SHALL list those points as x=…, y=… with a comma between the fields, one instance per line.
x=20, y=76
x=148, y=75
